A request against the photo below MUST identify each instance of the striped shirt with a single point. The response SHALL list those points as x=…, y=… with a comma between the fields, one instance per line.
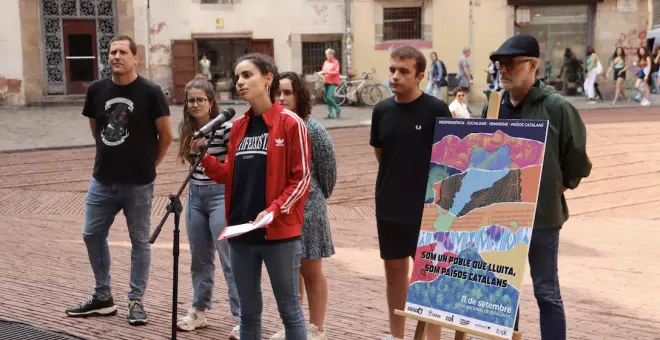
x=217, y=148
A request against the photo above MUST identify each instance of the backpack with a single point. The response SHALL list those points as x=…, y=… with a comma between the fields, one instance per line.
x=444, y=70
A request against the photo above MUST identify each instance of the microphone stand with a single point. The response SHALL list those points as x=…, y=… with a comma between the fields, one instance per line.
x=175, y=207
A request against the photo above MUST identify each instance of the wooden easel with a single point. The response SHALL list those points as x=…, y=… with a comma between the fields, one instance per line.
x=493, y=112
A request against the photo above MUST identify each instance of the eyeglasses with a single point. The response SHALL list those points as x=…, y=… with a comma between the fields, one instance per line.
x=198, y=101
x=460, y=96
x=510, y=65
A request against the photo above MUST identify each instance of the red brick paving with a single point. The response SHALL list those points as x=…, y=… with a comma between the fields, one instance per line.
x=610, y=291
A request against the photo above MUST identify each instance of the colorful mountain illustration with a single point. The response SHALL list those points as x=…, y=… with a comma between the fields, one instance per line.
x=487, y=151
x=437, y=174
x=460, y=194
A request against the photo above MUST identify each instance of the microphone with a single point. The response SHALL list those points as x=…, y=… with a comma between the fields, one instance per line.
x=224, y=116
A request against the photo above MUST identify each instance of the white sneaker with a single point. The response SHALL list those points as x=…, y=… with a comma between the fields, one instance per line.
x=390, y=337
x=235, y=333
x=280, y=335
x=645, y=103
x=313, y=333
x=195, y=319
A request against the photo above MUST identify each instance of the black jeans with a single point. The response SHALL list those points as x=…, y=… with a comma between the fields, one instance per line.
x=543, y=266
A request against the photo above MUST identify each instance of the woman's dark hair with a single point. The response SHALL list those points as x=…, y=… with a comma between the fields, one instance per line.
x=623, y=52
x=457, y=90
x=435, y=54
x=568, y=53
x=266, y=65
x=303, y=99
x=590, y=51
x=187, y=126
x=646, y=52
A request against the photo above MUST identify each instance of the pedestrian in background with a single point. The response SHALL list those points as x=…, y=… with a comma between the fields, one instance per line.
x=618, y=67
x=437, y=75
x=331, y=70
x=464, y=74
x=642, y=84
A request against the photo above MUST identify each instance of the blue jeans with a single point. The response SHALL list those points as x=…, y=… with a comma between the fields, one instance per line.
x=654, y=82
x=283, y=264
x=543, y=266
x=102, y=204
x=205, y=220
x=638, y=96
x=433, y=89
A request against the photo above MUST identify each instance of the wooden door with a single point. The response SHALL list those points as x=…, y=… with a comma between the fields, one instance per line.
x=80, y=55
x=184, y=67
x=263, y=46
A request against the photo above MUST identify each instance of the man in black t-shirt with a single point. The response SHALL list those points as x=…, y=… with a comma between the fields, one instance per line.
x=402, y=130
x=129, y=118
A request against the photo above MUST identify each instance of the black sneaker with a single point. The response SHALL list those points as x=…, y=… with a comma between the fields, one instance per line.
x=136, y=314
x=93, y=306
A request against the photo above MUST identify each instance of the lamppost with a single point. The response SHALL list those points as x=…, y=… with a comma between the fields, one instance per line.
x=148, y=49
x=348, y=40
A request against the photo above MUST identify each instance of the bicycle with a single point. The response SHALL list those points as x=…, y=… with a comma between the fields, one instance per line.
x=385, y=89
x=318, y=87
x=318, y=81
x=368, y=94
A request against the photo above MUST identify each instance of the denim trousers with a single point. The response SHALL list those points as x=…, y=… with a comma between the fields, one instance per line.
x=282, y=261
x=102, y=204
x=654, y=82
x=543, y=253
x=434, y=90
x=205, y=220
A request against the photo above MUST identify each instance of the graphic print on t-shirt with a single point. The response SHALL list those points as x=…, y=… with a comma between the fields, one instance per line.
x=117, y=110
x=253, y=145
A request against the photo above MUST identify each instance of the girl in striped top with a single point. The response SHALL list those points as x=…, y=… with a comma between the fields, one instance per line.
x=205, y=208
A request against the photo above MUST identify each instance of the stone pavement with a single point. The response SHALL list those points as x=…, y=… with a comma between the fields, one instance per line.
x=65, y=127
x=607, y=256
x=36, y=128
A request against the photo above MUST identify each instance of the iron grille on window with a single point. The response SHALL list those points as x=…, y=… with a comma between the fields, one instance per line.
x=402, y=23
x=313, y=54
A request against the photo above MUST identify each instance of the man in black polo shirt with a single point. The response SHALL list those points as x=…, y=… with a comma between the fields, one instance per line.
x=564, y=165
x=402, y=136
x=130, y=120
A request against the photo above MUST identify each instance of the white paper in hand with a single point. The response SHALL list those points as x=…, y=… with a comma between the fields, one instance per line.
x=236, y=230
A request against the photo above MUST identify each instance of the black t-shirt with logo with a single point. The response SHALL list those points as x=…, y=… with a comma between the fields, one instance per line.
x=248, y=197
x=126, y=135
x=404, y=132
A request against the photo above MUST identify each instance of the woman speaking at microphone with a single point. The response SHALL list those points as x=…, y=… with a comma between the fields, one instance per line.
x=205, y=207
x=266, y=171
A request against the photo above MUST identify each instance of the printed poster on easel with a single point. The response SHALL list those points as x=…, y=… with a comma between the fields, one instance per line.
x=477, y=224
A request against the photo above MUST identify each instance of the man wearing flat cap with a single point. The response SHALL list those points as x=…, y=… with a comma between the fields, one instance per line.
x=564, y=165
